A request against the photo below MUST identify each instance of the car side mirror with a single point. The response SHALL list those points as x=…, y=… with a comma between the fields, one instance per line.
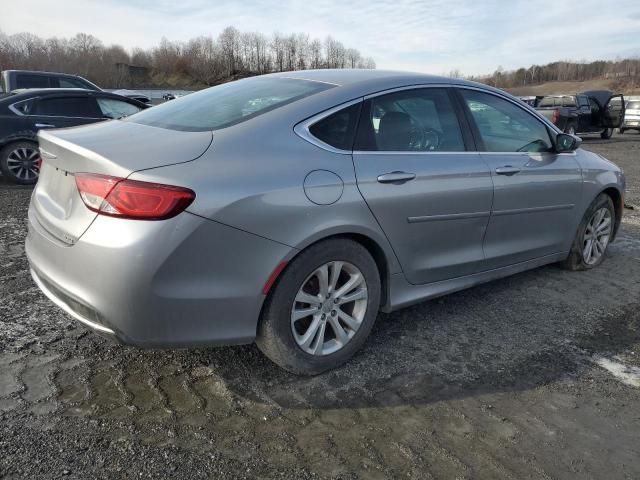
x=567, y=143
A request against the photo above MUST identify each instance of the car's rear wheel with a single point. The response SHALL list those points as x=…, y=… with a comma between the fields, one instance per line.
x=20, y=162
x=322, y=308
x=606, y=133
x=593, y=236
x=621, y=131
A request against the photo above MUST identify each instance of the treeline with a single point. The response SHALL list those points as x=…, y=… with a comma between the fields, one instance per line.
x=201, y=61
x=564, y=72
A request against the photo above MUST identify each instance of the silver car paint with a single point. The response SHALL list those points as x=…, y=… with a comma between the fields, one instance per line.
x=198, y=278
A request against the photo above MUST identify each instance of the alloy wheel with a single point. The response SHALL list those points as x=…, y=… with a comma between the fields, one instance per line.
x=24, y=163
x=596, y=236
x=329, y=308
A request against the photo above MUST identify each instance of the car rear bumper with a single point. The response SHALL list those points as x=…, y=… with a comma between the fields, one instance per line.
x=181, y=282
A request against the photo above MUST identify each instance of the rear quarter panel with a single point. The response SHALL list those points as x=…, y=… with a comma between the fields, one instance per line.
x=252, y=178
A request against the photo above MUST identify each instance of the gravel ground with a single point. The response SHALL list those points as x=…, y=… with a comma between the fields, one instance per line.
x=533, y=376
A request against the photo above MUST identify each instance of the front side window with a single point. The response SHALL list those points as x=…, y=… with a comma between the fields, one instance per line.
x=116, y=108
x=338, y=129
x=420, y=120
x=228, y=104
x=67, y=107
x=505, y=127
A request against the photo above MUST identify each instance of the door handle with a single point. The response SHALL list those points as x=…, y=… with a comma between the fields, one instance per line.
x=397, y=178
x=44, y=125
x=507, y=170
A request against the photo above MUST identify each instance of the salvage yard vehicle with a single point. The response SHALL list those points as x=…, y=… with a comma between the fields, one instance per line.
x=590, y=112
x=11, y=80
x=631, y=116
x=24, y=112
x=288, y=209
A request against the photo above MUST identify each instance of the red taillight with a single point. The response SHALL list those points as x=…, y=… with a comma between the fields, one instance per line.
x=119, y=197
x=555, y=116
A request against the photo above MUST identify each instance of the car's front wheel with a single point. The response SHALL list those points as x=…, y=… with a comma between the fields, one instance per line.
x=20, y=162
x=322, y=308
x=593, y=236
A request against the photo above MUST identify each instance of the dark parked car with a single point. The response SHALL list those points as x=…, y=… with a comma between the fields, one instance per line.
x=590, y=112
x=23, y=113
x=11, y=80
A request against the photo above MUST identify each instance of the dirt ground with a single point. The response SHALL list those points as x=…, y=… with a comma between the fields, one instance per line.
x=532, y=376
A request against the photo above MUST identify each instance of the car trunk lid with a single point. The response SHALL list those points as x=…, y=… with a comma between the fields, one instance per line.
x=112, y=148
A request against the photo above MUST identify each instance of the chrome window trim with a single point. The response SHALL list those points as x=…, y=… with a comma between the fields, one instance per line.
x=302, y=129
x=13, y=108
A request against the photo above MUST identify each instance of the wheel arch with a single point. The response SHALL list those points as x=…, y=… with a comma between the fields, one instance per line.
x=617, y=198
x=384, y=257
x=25, y=136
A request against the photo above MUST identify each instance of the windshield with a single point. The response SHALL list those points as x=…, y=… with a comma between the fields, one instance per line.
x=228, y=104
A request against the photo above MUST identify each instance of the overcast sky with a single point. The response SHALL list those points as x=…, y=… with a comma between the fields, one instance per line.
x=435, y=36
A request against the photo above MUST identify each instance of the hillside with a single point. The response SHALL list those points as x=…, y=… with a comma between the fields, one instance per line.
x=549, y=88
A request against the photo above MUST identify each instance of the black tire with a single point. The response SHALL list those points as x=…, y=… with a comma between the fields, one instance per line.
x=621, y=131
x=570, y=129
x=11, y=174
x=275, y=337
x=606, y=133
x=576, y=261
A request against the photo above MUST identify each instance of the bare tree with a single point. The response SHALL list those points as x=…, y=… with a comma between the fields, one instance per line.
x=200, y=61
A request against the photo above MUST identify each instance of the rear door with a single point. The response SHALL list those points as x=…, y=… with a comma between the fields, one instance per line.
x=430, y=192
x=535, y=189
x=613, y=114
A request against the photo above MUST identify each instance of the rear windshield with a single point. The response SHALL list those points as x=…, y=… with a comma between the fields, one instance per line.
x=227, y=104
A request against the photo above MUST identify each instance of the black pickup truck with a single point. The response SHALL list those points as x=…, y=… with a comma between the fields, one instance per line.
x=598, y=111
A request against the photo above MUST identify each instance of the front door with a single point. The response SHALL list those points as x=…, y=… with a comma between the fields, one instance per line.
x=430, y=193
x=613, y=114
x=535, y=190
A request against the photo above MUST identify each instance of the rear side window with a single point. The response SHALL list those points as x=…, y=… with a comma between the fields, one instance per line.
x=338, y=129
x=568, y=102
x=505, y=127
x=420, y=120
x=228, y=104
x=67, y=107
x=633, y=105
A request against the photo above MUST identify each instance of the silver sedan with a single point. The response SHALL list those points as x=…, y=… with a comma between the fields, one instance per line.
x=288, y=209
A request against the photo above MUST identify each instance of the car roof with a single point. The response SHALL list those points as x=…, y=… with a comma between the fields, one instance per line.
x=38, y=72
x=18, y=91
x=345, y=77
x=351, y=84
